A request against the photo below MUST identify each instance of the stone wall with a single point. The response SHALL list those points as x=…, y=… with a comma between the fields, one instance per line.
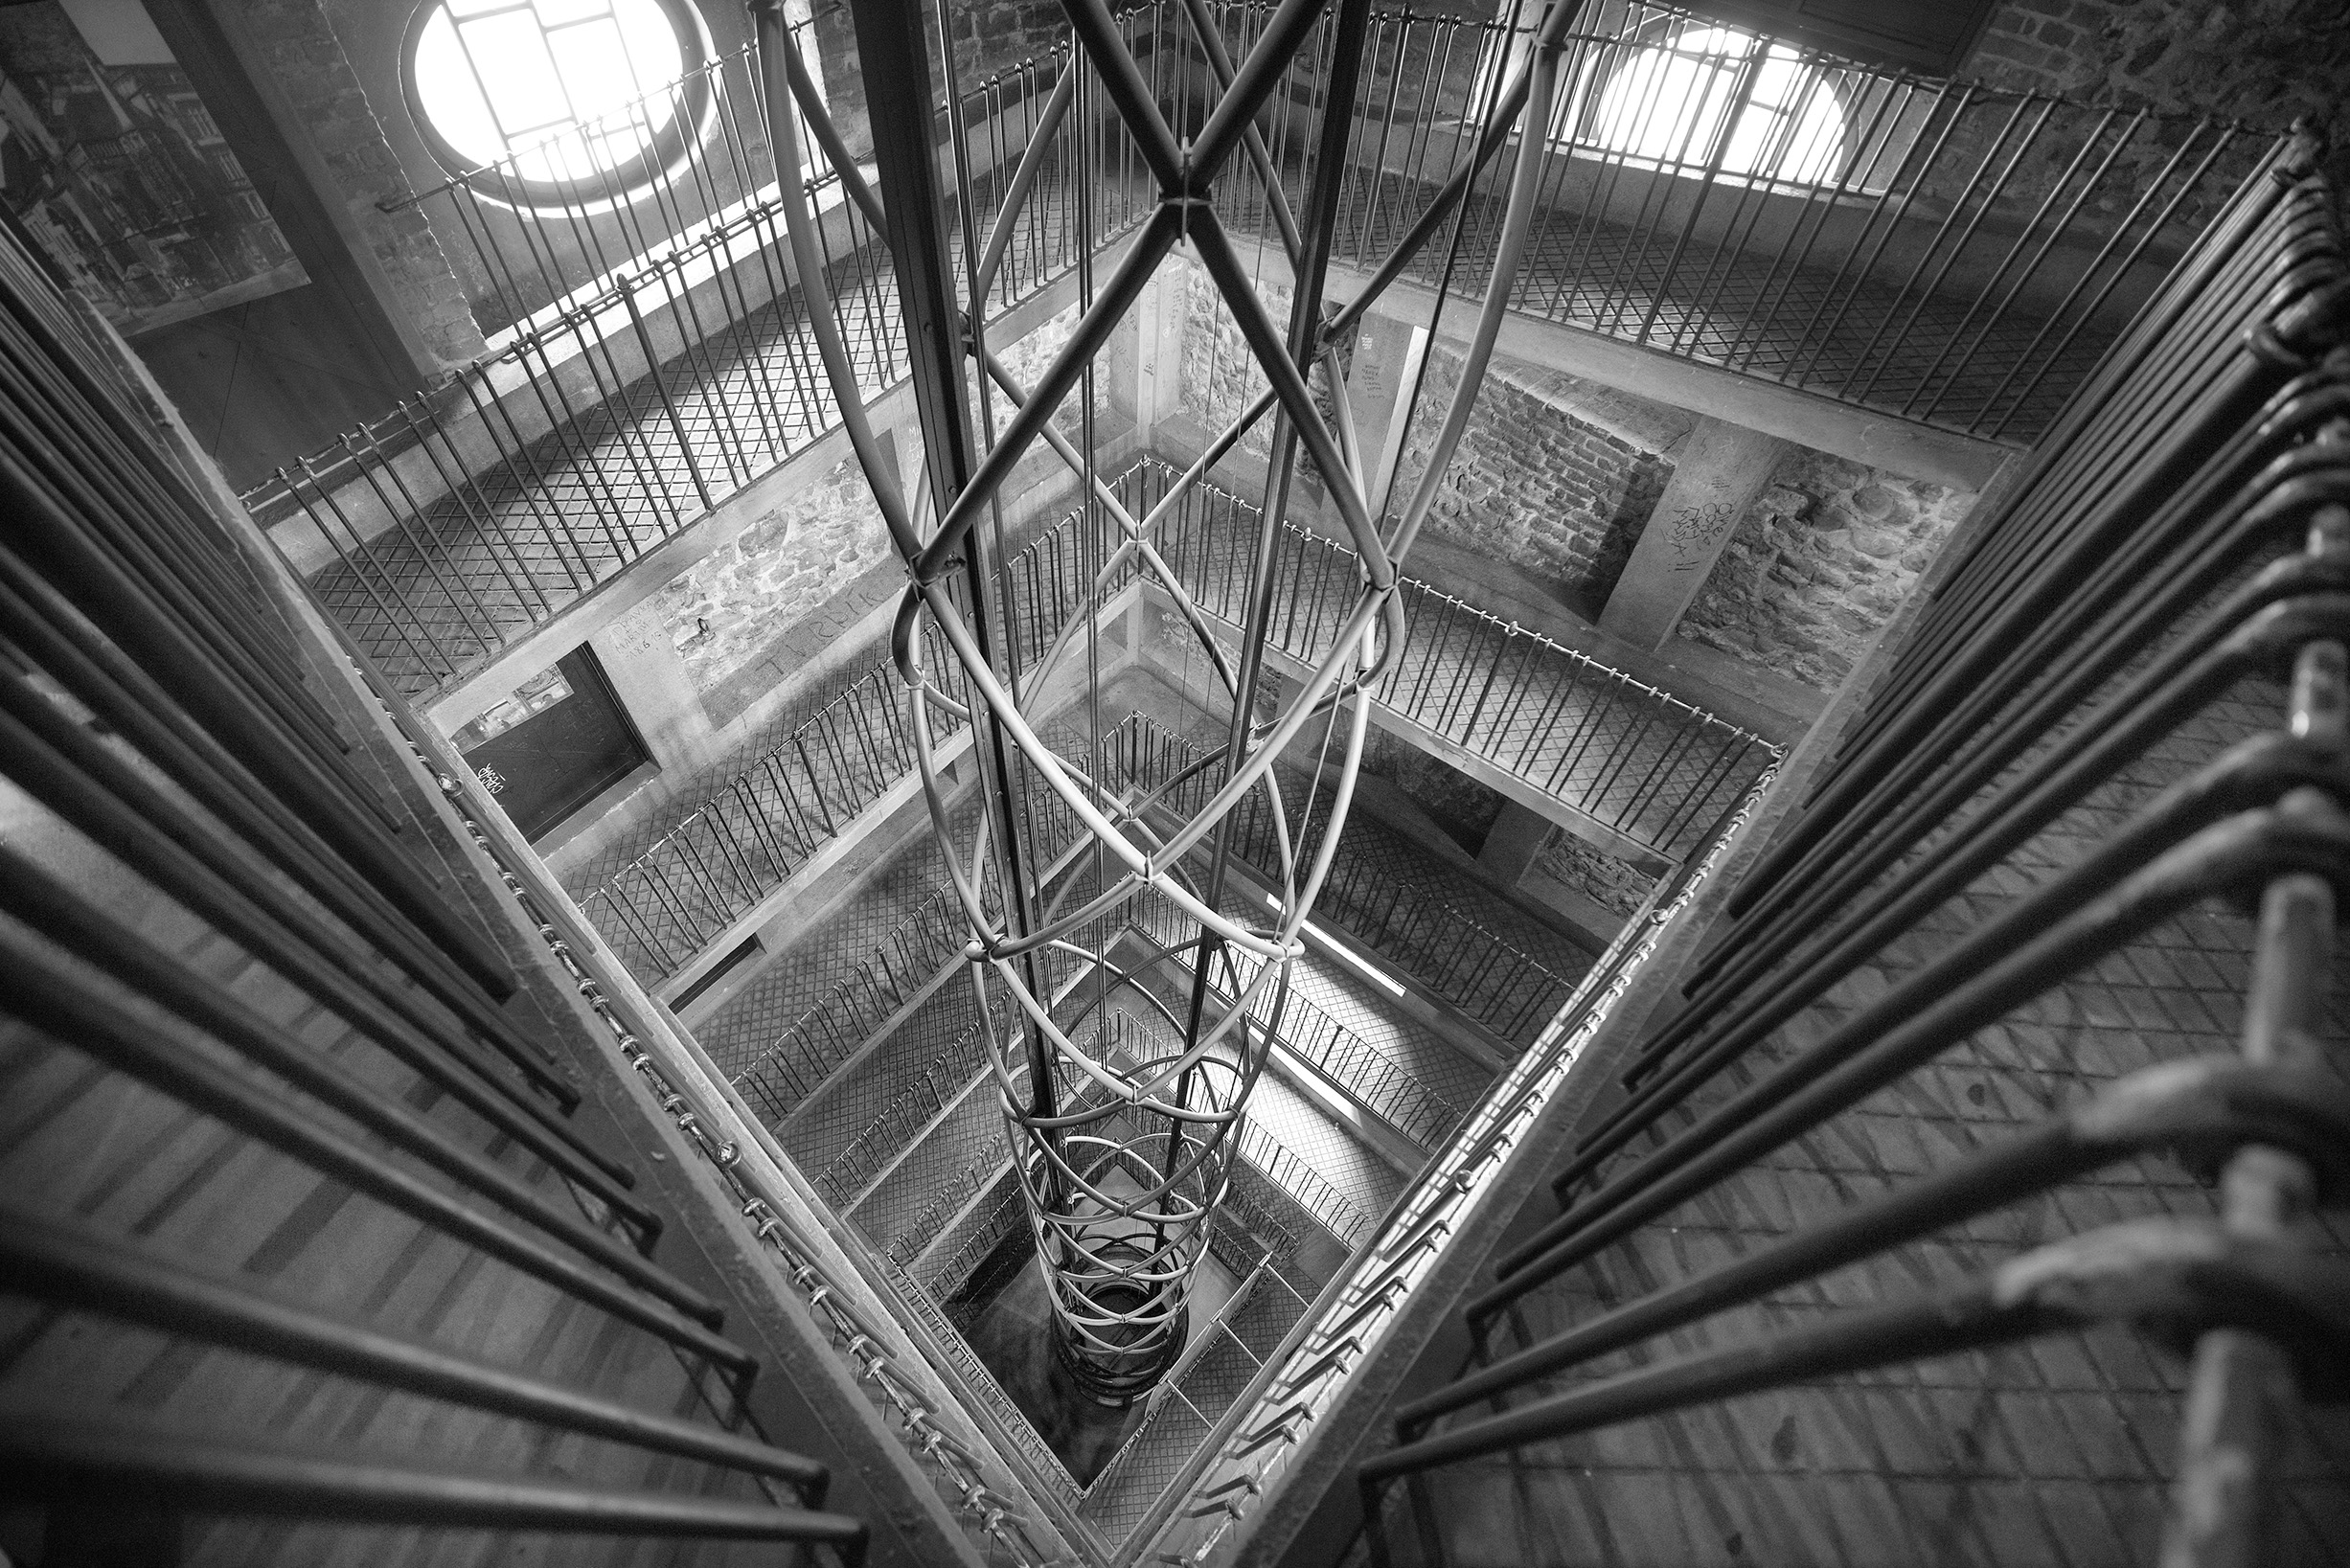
x=1616, y=885
x=2268, y=63
x=1819, y=564
x=728, y=608
x=1555, y=495
x=992, y=34
x=1026, y=361
x=1219, y=375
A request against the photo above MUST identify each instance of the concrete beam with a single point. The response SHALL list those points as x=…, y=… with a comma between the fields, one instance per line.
x=1159, y=360
x=1387, y=357
x=1717, y=474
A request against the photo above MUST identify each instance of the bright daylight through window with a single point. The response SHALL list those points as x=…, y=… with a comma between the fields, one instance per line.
x=570, y=90
x=1671, y=102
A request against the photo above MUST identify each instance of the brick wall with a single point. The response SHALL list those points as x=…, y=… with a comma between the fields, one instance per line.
x=1533, y=485
x=1819, y=564
x=2268, y=63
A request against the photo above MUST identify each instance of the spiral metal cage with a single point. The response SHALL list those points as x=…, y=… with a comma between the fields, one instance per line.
x=1123, y=1139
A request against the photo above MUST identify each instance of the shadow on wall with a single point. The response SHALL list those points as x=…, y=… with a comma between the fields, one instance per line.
x=1456, y=803
x=1557, y=496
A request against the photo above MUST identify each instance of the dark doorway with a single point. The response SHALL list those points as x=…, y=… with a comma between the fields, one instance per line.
x=557, y=743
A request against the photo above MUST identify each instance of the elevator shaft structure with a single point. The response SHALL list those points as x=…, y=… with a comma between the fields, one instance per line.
x=1125, y=1064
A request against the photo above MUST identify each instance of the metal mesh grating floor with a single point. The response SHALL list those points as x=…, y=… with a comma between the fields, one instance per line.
x=2057, y=1452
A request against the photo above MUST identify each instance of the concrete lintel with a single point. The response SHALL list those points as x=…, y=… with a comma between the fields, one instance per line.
x=1719, y=472
x=1514, y=840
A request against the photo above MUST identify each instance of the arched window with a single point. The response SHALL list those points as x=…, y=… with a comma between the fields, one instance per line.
x=570, y=100
x=1674, y=100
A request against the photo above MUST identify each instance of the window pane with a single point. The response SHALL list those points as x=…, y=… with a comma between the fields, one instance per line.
x=449, y=96
x=1672, y=103
x=510, y=55
x=558, y=12
x=534, y=75
x=596, y=69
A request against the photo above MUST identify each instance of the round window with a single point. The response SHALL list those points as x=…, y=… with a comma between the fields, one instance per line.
x=557, y=101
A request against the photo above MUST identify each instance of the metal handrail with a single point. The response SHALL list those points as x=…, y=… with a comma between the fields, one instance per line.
x=1007, y=1214
x=849, y=1015
x=1445, y=947
x=1259, y=1437
x=240, y=779
x=681, y=892
x=1955, y=224
x=957, y=1193
x=609, y=380
x=1281, y=1166
x=1630, y=755
x=786, y=1073
x=2006, y=236
x=727, y=1141
x=849, y=1178
x=684, y=890
x=1621, y=751
x=2223, y=552
x=1391, y=1090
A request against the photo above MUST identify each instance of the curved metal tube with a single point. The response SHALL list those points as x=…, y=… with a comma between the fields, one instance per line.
x=1126, y=1154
